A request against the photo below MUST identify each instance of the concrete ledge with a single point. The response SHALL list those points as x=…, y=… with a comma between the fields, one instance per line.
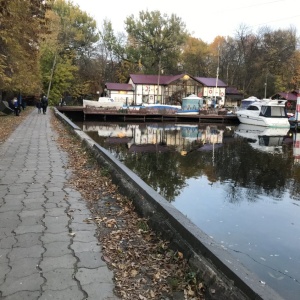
x=63, y=118
x=223, y=274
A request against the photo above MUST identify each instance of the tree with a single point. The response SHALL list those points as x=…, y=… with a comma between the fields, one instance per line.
x=21, y=24
x=195, y=57
x=156, y=40
x=153, y=43
x=67, y=48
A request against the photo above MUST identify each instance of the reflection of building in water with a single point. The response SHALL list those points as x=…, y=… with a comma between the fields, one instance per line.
x=179, y=137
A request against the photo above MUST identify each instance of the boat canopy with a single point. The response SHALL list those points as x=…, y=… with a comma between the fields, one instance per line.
x=248, y=101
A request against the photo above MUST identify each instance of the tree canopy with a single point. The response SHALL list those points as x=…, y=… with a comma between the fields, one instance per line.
x=54, y=47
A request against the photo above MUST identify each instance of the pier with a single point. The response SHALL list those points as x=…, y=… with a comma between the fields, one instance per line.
x=125, y=115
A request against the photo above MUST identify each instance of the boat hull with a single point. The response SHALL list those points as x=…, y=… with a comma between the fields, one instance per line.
x=252, y=119
x=99, y=104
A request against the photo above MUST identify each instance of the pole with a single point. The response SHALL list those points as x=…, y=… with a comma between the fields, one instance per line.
x=217, y=78
x=158, y=78
x=265, y=90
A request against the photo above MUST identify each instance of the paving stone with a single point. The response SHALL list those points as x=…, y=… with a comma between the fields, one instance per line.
x=4, y=270
x=92, y=290
x=49, y=237
x=39, y=257
x=30, y=283
x=99, y=275
x=59, y=279
x=38, y=228
x=56, y=249
x=70, y=293
x=26, y=240
x=24, y=296
x=67, y=261
x=89, y=260
x=23, y=267
x=81, y=247
x=28, y=252
x=7, y=242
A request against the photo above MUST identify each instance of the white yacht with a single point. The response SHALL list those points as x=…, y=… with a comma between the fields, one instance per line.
x=103, y=102
x=266, y=112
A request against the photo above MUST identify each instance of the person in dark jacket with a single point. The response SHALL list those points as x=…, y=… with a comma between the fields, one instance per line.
x=39, y=106
x=16, y=106
x=44, y=102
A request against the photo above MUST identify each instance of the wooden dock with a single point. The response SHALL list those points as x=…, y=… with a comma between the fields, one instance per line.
x=104, y=114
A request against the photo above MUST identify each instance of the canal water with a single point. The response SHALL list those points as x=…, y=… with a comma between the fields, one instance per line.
x=239, y=184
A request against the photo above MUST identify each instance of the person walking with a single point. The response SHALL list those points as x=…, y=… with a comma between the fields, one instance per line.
x=16, y=106
x=39, y=106
x=44, y=102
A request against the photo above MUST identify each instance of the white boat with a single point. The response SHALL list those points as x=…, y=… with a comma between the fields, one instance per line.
x=159, y=108
x=103, y=102
x=265, y=139
x=266, y=112
x=246, y=102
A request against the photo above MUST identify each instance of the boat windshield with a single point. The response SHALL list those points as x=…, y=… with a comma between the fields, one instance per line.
x=245, y=103
x=252, y=107
x=273, y=111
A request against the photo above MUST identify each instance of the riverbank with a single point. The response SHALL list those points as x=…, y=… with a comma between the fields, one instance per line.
x=146, y=265
x=222, y=276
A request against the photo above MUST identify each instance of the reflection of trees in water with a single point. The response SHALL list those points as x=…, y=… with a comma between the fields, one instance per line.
x=244, y=172
x=159, y=170
x=251, y=173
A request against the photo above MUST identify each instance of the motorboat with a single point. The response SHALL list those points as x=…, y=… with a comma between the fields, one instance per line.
x=246, y=102
x=103, y=102
x=265, y=112
x=264, y=139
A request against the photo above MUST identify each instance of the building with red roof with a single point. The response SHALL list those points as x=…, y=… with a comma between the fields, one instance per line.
x=166, y=89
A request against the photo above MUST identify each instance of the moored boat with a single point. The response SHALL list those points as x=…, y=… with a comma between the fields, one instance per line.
x=266, y=112
x=103, y=102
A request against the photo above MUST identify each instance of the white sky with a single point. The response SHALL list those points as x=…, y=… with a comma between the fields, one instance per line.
x=204, y=19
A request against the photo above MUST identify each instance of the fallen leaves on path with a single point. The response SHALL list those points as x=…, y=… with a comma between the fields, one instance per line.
x=143, y=264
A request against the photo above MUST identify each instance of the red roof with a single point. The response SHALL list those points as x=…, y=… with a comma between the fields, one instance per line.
x=210, y=81
x=118, y=86
x=163, y=80
x=153, y=79
x=167, y=79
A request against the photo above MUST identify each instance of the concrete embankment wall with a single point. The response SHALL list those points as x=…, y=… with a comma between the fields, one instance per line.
x=225, y=277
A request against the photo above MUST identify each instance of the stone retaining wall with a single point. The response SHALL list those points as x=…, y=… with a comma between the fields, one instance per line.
x=223, y=274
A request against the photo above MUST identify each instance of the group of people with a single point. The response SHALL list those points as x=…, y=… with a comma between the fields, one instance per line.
x=16, y=104
x=42, y=105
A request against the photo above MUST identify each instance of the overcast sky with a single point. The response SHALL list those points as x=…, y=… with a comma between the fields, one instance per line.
x=204, y=19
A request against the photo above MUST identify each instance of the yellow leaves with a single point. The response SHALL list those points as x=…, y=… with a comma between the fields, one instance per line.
x=180, y=255
x=110, y=223
x=133, y=273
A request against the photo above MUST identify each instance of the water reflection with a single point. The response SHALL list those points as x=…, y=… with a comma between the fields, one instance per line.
x=264, y=138
x=142, y=137
x=240, y=185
